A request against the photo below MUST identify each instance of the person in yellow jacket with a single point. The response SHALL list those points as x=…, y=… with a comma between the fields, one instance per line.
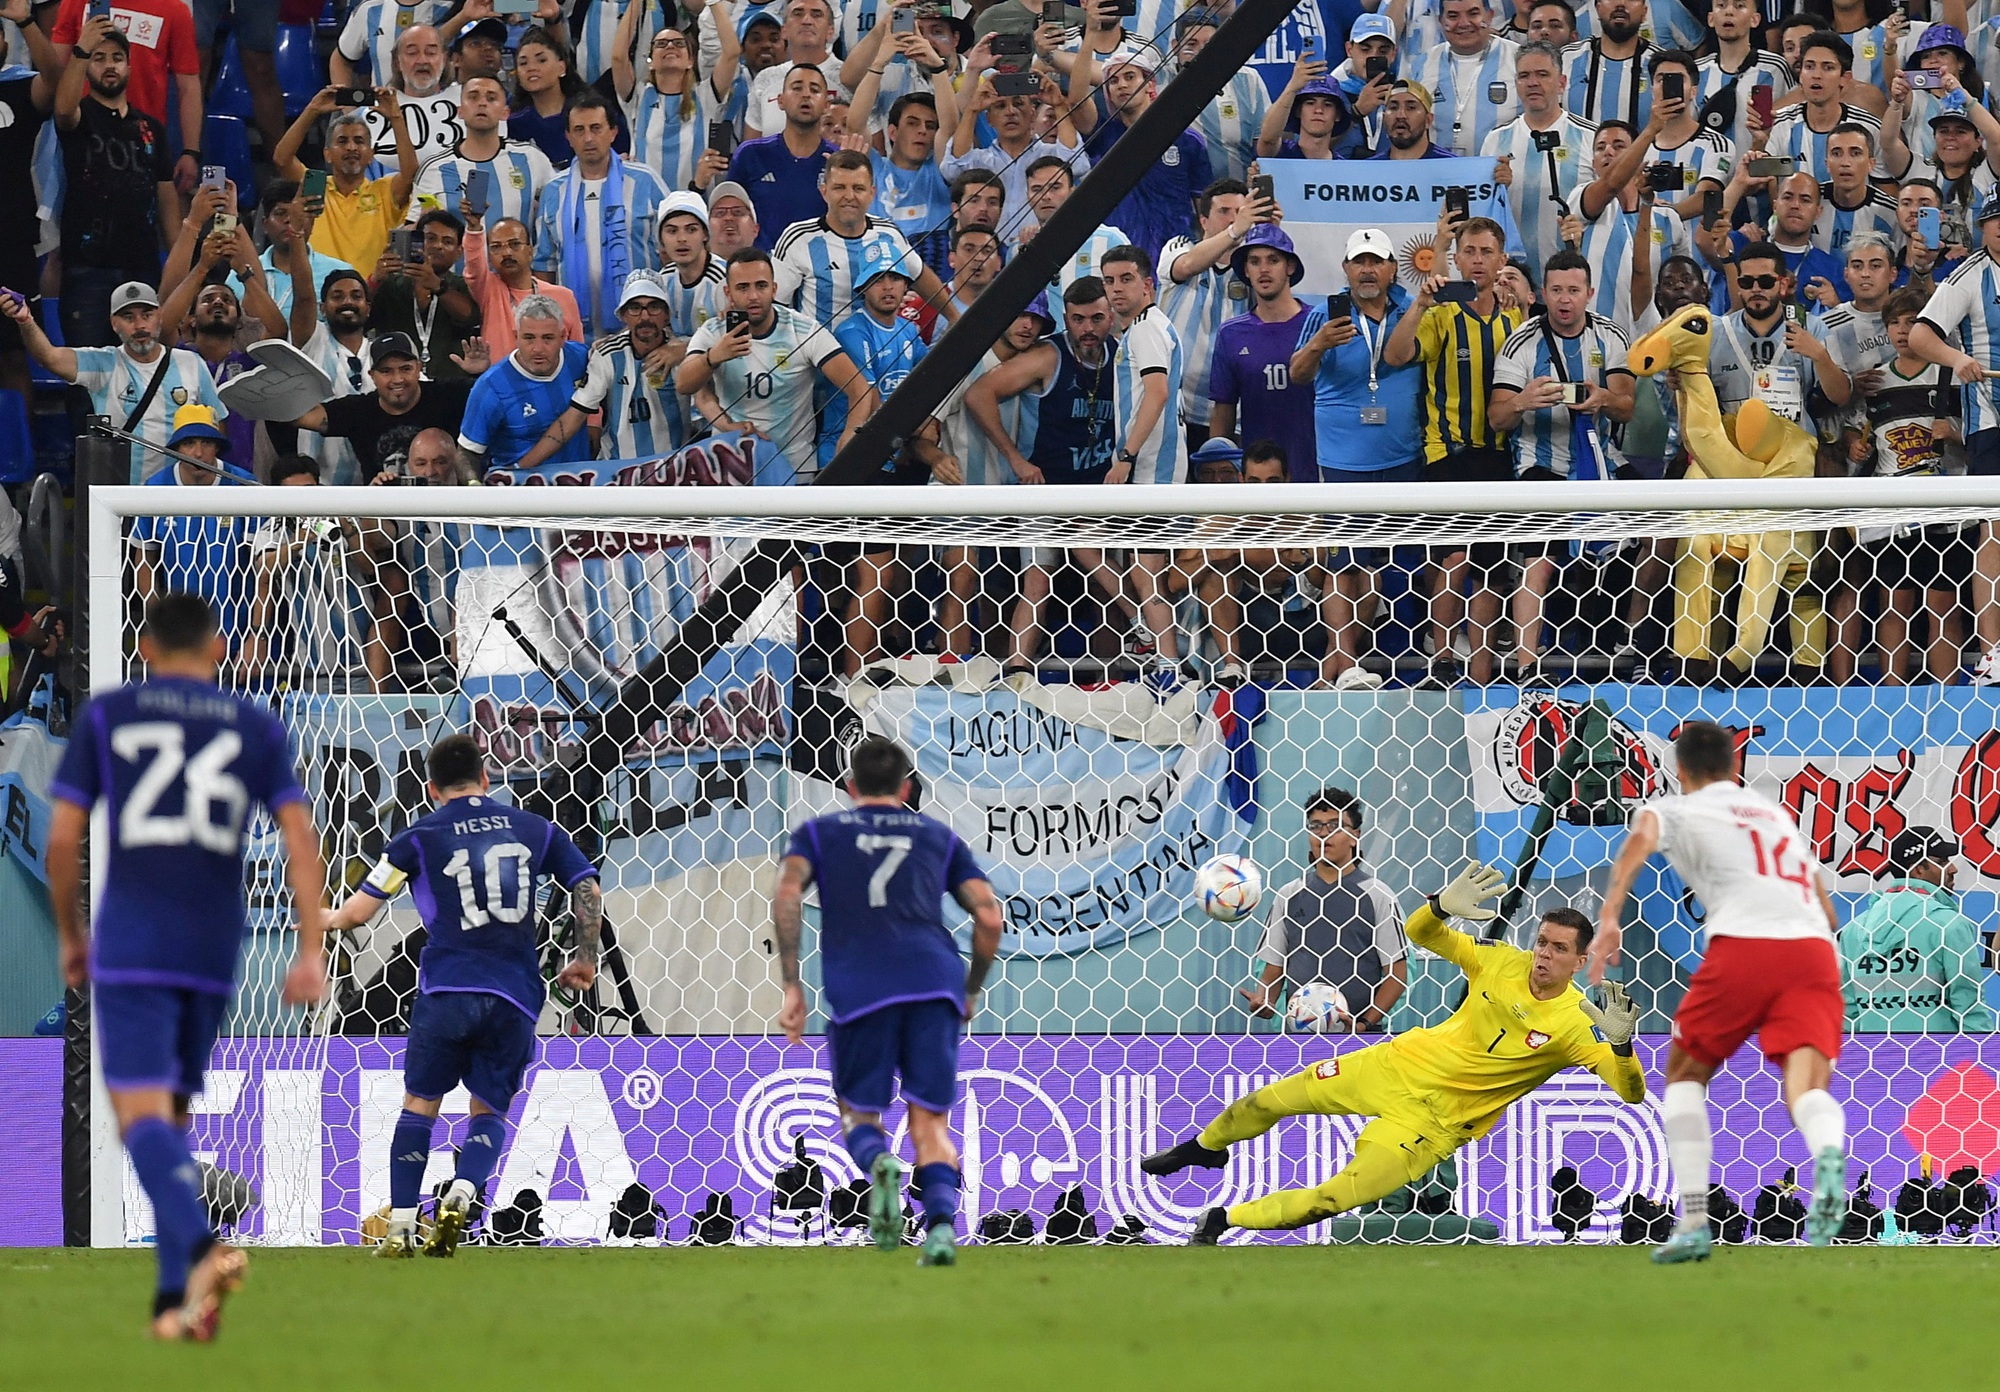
x=1432, y=1090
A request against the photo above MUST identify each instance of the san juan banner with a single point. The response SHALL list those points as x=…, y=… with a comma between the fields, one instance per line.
x=1327, y=201
x=308, y=1125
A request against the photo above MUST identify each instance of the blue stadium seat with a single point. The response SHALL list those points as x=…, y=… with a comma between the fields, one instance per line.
x=226, y=141
x=329, y=17
x=300, y=73
x=231, y=94
x=17, y=445
x=45, y=380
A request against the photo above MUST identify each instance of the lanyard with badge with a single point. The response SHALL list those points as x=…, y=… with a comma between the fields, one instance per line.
x=1373, y=414
x=1779, y=385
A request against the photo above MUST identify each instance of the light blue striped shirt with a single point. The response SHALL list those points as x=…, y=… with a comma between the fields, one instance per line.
x=1609, y=243
x=115, y=383
x=1545, y=438
x=643, y=195
x=640, y=420
x=1230, y=124
x=983, y=463
x=815, y=266
x=665, y=141
x=519, y=173
x=1965, y=310
x=600, y=25
x=1791, y=135
x=1148, y=345
x=1196, y=308
x=1534, y=212
x=1763, y=70
x=368, y=39
x=1608, y=89
x=1464, y=111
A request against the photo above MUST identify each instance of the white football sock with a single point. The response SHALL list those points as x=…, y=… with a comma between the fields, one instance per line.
x=403, y=1217
x=1821, y=1121
x=1684, y=1114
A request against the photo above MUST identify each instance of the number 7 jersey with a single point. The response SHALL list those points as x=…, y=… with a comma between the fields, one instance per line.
x=471, y=866
x=1747, y=862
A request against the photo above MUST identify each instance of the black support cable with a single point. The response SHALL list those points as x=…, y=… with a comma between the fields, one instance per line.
x=952, y=359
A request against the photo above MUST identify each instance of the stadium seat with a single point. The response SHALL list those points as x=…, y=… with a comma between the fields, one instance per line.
x=230, y=96
x=300, y=72
x=17, y=445
x=226, y=141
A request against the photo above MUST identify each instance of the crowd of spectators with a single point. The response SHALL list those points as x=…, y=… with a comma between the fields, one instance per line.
x=610, y=227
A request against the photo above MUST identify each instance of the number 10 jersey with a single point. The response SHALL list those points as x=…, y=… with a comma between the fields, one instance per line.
x=472, y=866
x=1746, y=860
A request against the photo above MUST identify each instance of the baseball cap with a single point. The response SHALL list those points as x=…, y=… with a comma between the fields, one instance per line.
x=1268, y=234
x=134, y=292
x=750, y=19
x=641, y=285
x=1133, y=57
x=1220, y=449
x=1920, y=843
x=1415, y=89
x=194, y=422
x=1989, y=206
x=683, y=201
x=1372, y=26
x=1951, y=107
x=393, y=345
x=492, y=30
x=1370, y=241
x=729, y=188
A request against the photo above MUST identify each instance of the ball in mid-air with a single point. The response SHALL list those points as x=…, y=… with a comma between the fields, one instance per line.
x=1228, y=888
x=1320, y=1007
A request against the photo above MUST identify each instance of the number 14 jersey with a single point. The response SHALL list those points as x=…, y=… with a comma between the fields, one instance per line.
x=471, y=866
x=1747, y=862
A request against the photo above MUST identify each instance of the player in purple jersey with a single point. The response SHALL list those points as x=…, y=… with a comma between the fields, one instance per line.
x=471, y=867
x=898, y=995
x=179, y=766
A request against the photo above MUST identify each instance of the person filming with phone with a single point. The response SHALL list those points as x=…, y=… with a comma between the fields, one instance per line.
x=1456, y=328
x=353, y=213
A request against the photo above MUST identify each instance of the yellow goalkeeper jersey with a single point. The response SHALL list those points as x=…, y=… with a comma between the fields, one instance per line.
x=1502, y=1043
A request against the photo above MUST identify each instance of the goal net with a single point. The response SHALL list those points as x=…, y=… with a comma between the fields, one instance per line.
x=1102, y=689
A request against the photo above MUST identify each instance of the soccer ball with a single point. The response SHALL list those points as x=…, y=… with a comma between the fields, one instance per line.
x=1319, y=1007
x=1228, y=888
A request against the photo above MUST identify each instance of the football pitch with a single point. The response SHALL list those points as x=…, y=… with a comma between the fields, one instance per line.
x=1026, y=1317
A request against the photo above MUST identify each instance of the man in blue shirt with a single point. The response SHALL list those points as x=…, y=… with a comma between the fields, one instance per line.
x=1367, y=425
x=516, y=400
x=472, y=866
x=884, y=346
x=897, y=992
x=1161, y=205
x=180, y=767
x=204, y=555
x=782, y=171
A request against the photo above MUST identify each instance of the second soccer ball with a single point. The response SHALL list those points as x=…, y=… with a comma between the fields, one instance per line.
x=1228, y=888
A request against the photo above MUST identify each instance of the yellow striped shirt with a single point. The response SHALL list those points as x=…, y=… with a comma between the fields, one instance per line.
x=1459, y=349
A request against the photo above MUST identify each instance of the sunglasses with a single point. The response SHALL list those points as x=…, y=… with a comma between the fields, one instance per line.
x=1766, y=282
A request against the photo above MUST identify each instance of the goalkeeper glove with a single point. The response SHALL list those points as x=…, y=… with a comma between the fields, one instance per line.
x=1616, y=1017
x=1462, y=898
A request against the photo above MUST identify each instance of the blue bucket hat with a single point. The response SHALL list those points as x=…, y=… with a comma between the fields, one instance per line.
x=1267, y=234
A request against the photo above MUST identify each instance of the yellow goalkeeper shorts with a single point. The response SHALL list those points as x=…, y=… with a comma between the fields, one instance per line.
x=1367, y=1082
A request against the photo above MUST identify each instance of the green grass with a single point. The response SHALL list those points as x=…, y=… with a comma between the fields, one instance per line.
x=1026, y=1319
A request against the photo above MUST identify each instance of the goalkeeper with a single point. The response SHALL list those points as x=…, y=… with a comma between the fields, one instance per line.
x=1432, y=1090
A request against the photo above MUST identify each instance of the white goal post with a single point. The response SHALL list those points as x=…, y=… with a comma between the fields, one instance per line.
x=375, y=620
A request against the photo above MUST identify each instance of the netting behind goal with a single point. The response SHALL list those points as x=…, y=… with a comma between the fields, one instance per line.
x=1101, y=692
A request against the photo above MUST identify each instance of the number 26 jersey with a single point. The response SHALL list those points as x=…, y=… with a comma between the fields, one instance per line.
x=1746, y=860
x=471, y=866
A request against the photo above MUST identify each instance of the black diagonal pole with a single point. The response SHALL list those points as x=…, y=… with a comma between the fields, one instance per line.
x=952, y=358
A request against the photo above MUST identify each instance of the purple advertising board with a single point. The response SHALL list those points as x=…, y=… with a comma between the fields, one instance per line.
x=308, y=1122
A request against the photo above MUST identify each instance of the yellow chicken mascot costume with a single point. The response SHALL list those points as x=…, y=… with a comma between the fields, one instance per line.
x=1753, y=443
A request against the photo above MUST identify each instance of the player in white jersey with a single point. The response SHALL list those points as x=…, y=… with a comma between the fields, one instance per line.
x=1197, y=292
x=1543, y=135
x=1770, y=969
x=755, y=368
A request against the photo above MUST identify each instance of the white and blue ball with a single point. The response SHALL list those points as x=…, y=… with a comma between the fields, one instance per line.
x=1228, y=888
x=1319, y=1007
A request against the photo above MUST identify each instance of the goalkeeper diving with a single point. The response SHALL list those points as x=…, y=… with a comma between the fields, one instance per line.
x=1432, y=1090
